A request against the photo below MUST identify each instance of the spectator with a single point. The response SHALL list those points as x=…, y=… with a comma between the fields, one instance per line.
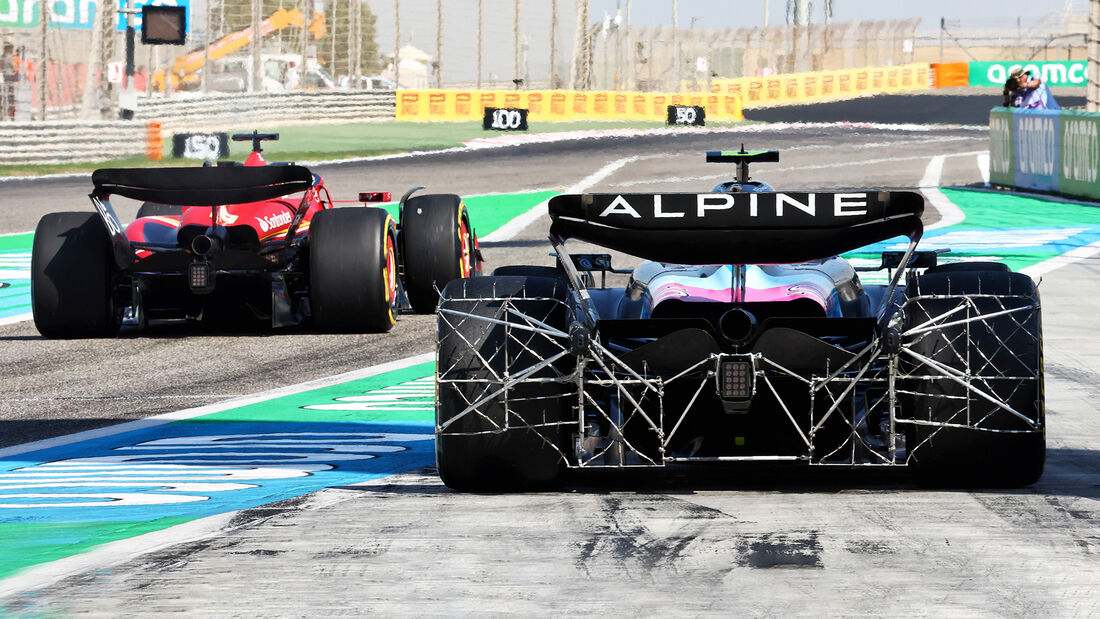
x=1011, y=86
x=9, y=72
x=1033, y=94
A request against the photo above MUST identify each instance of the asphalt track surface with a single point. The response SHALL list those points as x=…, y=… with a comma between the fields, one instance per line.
x=754, y=542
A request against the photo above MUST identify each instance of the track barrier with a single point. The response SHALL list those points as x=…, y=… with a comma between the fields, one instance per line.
x=554, y=105
x=799, y=88
x=1045, y=150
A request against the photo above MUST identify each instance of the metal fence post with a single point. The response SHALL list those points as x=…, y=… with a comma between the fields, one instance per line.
x=257, y=63
x=439, y=44
x=479, y=44
x=397, y=42
x=43, y=23
x=1093, y=67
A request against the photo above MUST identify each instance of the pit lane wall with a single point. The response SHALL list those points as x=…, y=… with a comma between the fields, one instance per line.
x=1045, y=150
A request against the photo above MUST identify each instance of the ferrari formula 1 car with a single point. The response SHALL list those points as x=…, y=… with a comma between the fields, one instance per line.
x=243, y=243
x=742, y=336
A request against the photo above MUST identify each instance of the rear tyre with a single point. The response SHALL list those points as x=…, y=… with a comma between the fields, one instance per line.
x=513, y=444
x=437, y=246
x=72, y=277
x=152, y=209
x=1001, y=351
x=353, y=270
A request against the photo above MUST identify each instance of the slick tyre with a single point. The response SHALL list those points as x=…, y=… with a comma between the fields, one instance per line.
x=516, y=441
x=437, y=246
x=72, y=278
x=353, y=270
x=1002, y=356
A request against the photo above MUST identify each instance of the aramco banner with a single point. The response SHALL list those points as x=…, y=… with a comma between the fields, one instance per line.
x=1054, y=73
x=1047, y=150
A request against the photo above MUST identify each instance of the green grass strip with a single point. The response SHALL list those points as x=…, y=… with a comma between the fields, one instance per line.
x=289, y=408
x=23, y=545
x=18, y=243
x=1000, y=211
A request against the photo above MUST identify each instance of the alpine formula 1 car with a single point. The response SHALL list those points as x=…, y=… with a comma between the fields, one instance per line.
x=741, y=336
x=244, y=243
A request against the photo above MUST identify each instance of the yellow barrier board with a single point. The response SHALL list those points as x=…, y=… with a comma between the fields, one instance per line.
x=824, y=85
x=551, y=105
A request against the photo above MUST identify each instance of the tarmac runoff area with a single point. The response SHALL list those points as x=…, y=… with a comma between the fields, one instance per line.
x=749, y=541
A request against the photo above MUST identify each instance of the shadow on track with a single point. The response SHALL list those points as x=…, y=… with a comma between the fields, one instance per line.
x=1069, y=473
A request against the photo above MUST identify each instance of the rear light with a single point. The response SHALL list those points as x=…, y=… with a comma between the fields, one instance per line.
x=736, y=379
x=200, y=277
x=375, y=196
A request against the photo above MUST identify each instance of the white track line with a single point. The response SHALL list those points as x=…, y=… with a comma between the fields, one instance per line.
x=929, y=186
x=509, y=230
x=1076, y=254
x=11, y=320
x=198, y=411
x=983, y=166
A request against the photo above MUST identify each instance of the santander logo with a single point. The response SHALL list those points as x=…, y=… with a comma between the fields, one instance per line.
x=271, y=222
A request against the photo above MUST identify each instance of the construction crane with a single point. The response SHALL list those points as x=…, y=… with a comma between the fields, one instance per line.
x=184, y=68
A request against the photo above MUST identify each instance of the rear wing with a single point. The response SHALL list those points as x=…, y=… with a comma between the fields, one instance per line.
x=736, y=228
x=191, y=187
x=212, y=186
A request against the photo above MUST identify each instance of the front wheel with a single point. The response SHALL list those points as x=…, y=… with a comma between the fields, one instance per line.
x=353, y=270
x=72, y=277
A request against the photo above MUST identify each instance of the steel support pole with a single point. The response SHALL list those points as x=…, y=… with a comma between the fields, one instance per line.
x=43, y=24
x=204, y=83
x=1092, y=99
x=479, y=44
x=515, y=41
x=553, y=41
x=257, y=84
x=439, y=44
x=397, y=42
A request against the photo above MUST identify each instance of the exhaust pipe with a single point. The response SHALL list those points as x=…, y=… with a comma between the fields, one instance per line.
x=737, y=325
x=204, y=245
